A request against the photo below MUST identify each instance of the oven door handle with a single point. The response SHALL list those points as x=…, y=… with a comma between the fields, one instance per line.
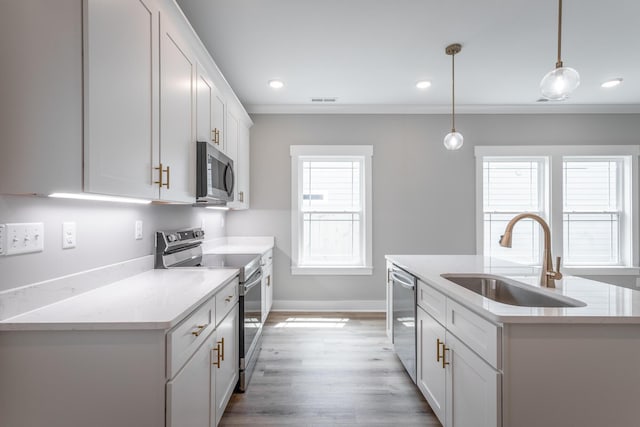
x=254, y=283
x=402, y=280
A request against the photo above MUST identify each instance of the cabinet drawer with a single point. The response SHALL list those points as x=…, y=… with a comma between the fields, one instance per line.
x=184, y=339
x=479, y=334
x=267, y=258
x=226, y=299
x=432, y=301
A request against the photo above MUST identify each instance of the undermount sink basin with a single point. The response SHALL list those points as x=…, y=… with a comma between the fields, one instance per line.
x=507, y=291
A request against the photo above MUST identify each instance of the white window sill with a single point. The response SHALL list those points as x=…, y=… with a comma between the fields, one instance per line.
x=601, y=271
x=331, y=271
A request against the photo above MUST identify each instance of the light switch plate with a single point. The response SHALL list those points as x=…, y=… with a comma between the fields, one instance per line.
x=138, y=230
x=22, y=238
x=68, y=235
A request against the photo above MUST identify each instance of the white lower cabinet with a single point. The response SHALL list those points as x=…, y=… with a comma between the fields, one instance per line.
x=462, y=388
x=189, y=393
x=225, y=370
x=199, y=391
x=431, y=377
x=267, y=283
x=473, y=388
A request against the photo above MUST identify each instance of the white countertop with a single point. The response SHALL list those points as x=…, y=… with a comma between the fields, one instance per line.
x=239, y=245
x=155, y=299
x=605, y=303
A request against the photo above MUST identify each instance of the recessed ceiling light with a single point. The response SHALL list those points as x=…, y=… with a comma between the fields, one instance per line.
x=276, y=84
x=612, y=83
x=423, y=84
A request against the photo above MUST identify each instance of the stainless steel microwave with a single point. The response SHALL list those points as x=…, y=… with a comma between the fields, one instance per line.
x=215, y=176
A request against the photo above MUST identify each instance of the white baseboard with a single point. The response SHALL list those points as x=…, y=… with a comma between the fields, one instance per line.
x=331, y=305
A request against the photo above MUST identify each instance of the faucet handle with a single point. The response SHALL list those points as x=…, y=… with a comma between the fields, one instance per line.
x=558, y=275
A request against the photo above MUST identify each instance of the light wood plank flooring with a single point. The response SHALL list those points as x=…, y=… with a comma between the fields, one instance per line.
x=328, y=369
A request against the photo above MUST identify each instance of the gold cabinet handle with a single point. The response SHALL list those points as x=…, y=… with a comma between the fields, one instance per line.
x=241, y=196
x=159, y=175
x=161, y=171
x=444, y=350
x=216, y=362
x=438, y=356
x=218, y=136
x=199, y=330
x=213, y=136
x=228, y=299
x=221, y=343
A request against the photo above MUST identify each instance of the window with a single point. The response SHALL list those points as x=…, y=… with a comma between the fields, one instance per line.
x=585, y=193
x=331, y=209
x=510, y=187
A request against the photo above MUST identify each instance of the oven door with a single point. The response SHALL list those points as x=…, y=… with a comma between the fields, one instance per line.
x=251, y=301
x=214, y=175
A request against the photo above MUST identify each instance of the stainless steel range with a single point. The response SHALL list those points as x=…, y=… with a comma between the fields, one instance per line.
x=183, y=249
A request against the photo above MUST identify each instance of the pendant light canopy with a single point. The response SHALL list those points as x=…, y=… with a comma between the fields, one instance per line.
x=560, y=82
x=453, y=140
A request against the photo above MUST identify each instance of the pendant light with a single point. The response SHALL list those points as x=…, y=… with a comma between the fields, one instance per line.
x=453, y=140
x=558, y=83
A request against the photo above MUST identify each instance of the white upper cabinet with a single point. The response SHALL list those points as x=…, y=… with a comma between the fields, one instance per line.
x=121, y=97
x=204, y=107
x=210, y=111
x=238, y=136
x=219, y=115
x=115, y=96
x=177, y=110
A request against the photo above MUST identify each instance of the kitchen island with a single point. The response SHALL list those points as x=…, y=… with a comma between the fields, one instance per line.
x=484, y=363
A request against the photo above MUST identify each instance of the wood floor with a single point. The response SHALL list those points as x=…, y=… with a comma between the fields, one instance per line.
x=328, y=369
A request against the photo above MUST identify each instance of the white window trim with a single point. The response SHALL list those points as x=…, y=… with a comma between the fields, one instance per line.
x=296, y=151
x=555, y=154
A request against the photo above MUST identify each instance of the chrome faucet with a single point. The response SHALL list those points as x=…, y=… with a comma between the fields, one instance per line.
x=548, y=276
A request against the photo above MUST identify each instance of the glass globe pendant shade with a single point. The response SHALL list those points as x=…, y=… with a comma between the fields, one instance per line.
x=453, y=140
x=559, y=83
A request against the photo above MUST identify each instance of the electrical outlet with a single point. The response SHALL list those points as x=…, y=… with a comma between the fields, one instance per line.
x=68, y=235
x=22, y=238
x=138, y=230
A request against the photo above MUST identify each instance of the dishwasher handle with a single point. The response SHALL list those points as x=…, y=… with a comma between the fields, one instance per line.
x=403, y=279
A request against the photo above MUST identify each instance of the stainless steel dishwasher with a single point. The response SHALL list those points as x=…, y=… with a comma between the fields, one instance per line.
x=404, y=318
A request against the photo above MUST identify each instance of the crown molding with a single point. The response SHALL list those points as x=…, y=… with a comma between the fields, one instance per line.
x=541, y=108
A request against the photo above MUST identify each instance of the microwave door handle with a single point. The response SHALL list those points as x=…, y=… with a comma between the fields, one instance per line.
x=228, y=187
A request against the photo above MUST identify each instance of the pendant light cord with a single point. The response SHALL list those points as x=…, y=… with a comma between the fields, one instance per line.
x=453, y=92
x=559, y=63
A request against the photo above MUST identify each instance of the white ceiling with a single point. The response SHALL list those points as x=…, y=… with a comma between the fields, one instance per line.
x=370, y=53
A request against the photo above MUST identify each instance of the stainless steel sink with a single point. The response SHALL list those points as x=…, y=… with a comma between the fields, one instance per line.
x=507, y=291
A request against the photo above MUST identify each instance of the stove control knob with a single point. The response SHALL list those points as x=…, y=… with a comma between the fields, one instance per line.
x=172, y=238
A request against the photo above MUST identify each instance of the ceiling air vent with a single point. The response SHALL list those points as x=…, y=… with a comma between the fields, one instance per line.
x=323, y=100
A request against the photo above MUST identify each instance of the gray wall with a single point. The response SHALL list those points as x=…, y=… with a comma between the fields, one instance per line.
x=423, y=195
x=105, y=234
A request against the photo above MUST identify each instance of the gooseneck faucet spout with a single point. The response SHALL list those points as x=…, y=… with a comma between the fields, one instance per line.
x=548, y=276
